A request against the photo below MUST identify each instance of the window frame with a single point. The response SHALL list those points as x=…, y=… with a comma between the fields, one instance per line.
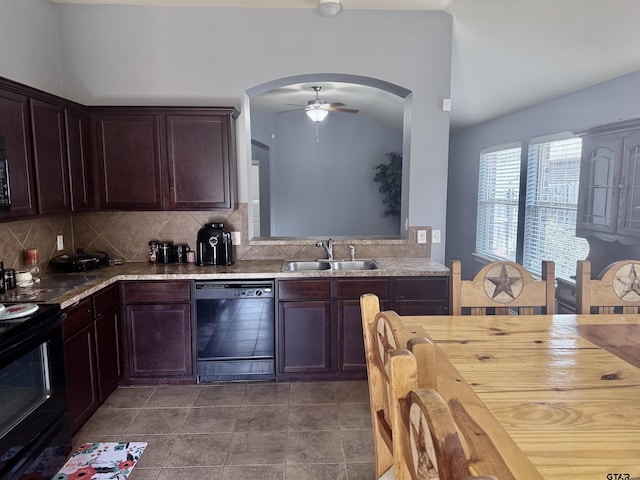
x=524, y=196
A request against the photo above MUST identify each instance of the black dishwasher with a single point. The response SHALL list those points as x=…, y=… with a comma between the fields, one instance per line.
x=235, y=331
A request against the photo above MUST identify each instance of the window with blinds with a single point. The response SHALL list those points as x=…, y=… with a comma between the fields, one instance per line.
x=553, y=175
x=498, y=195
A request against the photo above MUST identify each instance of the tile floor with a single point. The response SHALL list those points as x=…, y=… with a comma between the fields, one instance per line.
x=242, y=431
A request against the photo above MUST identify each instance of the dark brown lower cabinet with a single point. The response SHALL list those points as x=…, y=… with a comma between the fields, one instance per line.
x=92, y=354
x=320, y=324
x=421, y=295
x=158, y=332
x=107, y=334
x=80, y=364
x=305, y=337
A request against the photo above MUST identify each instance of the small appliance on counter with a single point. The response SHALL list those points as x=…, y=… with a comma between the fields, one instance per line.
x=79, y=261
x=167, y=252
x=214, y=245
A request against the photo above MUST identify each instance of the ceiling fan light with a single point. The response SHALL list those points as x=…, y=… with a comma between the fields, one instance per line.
x=317, y=114
x=329, y=8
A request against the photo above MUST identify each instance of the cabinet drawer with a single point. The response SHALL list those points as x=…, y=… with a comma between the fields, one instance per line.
x=78, y=317
x=353, y=289
x=425, y=288
x=105, y=300
x=157, y=292
x=304, y=289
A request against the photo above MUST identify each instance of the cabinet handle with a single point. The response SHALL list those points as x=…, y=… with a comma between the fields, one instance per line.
x=621, y=187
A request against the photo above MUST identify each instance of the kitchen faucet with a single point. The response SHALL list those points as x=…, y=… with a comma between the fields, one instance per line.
x=328, y=246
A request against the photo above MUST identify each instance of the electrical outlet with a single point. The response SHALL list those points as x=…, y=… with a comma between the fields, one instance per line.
x=435, y=236
x=422, y=236
x=60, y=242
x=236, y=238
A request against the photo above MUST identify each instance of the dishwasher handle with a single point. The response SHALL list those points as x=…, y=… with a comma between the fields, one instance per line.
x=225, y=290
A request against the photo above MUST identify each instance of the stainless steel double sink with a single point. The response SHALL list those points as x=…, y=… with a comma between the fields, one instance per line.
x=322, y=265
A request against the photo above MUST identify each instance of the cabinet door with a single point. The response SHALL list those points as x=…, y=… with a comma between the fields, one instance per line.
x=107, y=353
x=77, y=123
x=129, y=161
x=80, y=363
x=14, y=126
x=351, y=340
x=200, y=162
x=599, y=180
x=49, y=151
x=629, y=218
x=421, y=295
x=304, y=337
x=159, y=340
x=82, y=390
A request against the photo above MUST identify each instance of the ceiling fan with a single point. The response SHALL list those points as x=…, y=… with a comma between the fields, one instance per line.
x=318, y=109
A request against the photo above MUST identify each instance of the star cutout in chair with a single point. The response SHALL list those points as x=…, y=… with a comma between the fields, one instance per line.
x=631, y=284
x=503, y=283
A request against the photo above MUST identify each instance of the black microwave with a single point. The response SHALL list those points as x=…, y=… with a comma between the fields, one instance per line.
x=5, y=192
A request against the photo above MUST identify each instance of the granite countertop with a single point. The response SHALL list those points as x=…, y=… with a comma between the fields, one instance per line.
x=69, y=288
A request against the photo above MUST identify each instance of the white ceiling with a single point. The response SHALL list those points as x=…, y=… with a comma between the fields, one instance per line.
x=507, y=54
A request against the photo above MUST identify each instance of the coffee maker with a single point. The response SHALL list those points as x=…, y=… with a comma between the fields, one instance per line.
x=214, y=245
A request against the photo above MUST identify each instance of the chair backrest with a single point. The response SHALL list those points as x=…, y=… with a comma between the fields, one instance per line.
x=434, y=447
x=616, y=290
x=385, y=339
x=503, y=286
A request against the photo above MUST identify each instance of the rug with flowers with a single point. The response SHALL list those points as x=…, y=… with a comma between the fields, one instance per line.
x=101, y=461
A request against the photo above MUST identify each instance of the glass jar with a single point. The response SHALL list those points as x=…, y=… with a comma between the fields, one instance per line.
x=31, y=265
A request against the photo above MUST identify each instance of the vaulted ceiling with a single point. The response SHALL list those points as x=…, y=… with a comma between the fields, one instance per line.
x=507, y=54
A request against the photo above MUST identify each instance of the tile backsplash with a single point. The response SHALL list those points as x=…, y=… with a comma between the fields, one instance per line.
x=125, y=235
x=40, y=233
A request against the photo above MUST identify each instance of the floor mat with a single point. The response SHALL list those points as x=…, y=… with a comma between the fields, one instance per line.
x=102, y=461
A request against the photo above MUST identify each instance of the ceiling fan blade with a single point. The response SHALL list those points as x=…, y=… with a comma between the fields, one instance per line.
x=295, y=105
x=293, y=110
x=345, y=110
x=336, y=104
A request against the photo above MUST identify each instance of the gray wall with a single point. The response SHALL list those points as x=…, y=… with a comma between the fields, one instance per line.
x=605, y=102
x=324, y=185
x=29, y=47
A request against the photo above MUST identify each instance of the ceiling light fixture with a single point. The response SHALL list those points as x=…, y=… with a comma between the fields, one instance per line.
x=317, y=114
x=329, y=8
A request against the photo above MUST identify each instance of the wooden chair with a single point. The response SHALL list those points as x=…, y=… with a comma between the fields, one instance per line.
x=433, y=447
x=385, y=338
x=503, y=286
x=616, y=290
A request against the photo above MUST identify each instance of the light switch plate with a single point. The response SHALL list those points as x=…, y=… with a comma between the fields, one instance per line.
x=60, y=242
x=236, y=238
x=435, y=236
x=422, y=236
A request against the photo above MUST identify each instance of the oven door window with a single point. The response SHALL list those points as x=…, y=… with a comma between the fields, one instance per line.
x=25, y=385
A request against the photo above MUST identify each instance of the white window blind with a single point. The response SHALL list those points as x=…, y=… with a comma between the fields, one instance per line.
x=553, y=175
x=498, y=193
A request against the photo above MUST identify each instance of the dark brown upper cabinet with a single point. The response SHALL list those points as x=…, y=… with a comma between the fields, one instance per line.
x=166, y=158
x=77, y=129
x=201, y=160
x=15, y=127
x=130, y=160
x=50, y=155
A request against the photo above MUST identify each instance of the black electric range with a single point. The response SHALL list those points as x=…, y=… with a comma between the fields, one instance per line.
x=16, y=330
x=34, y=433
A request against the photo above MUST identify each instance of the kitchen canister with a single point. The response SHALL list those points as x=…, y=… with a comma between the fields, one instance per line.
x=164, y=252
x=10, y=278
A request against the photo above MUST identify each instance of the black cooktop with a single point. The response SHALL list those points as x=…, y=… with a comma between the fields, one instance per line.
x=16, y=330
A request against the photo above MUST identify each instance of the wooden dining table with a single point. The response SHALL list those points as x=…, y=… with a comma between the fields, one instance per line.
x=562, y=389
